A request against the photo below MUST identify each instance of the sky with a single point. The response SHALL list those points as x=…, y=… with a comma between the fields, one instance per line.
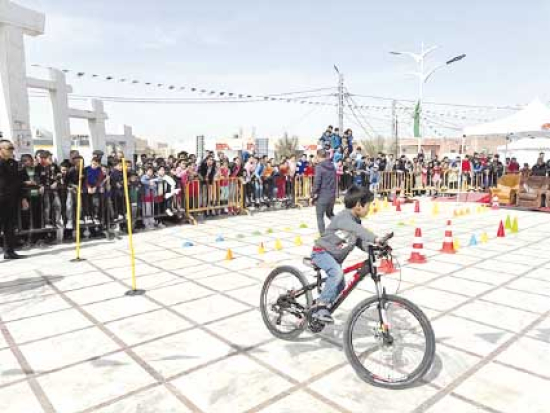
x=267, y=47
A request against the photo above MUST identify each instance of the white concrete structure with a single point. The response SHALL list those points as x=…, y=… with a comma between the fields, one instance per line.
x=125, y=142
x=15, y=22
x=96, y=122
x=59, y=95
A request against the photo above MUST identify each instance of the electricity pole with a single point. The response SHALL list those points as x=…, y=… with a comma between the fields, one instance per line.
x=394, y=125
x=340, y=100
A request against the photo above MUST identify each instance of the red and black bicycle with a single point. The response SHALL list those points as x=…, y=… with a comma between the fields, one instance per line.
x=388, y=340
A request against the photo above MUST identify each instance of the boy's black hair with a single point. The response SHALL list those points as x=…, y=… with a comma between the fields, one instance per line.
x=356, y=195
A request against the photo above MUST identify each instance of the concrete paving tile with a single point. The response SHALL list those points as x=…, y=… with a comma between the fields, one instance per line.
x=97, y=293
x=158, y=399
x=540, y=273
x=486, y=276
x=440, y=300
x=47, y=325
x=451, y=404
x=200, y=271
x=250, y=322
x=300, y=360
x=497, y=265
x=346, y=389
x=19, y=398
x=541, y=331
x=232, y=385
x=297, y=402
x=460, y=286
x=229, y=281
x=528, y=354
x=11, y=369
x=519, y=299
x=469, y=335
x=178, y=263
x=119, y=307
x=496, y=315
x=32, y=307
x=147, y=326
x=450, y=364
x=210, y=308
x=52, y=353
x=91, y=383
x=179, y=293
x=506, y=390
x=183, y=351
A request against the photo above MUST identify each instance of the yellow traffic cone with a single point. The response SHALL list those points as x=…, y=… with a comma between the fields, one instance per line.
x=508, y=224
x=515, y=228
x=229, y=255
x=278, y=245
x=456, y=244
x=484, y=238
x=298, y=241
x=435, y=209
x=261, y=249
x=386, y=205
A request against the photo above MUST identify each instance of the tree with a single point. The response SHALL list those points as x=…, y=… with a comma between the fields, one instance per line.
x=286, y=146
x=378, y=144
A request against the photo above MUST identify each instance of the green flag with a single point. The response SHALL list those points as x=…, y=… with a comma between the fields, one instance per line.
x=416, y=116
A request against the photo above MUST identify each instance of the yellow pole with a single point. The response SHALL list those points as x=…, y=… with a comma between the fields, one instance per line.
x=78, y=210
x=129, y=225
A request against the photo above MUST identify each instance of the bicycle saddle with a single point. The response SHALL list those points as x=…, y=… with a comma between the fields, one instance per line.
x=308, y=262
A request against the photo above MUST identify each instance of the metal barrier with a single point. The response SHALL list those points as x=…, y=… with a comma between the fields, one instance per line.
x=303, y=187
x=224, y=195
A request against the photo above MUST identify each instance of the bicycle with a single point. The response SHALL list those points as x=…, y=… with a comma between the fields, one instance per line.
x=371, y=344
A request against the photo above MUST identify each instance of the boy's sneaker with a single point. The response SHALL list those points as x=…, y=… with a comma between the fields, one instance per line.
x=323, y=315
x=169, y=212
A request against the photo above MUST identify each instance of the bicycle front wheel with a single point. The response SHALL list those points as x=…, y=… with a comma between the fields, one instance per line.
x=395, y=355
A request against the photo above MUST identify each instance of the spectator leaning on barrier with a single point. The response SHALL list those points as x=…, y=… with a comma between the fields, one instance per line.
x=539, y=169
x=324, y=189
x=11, y=196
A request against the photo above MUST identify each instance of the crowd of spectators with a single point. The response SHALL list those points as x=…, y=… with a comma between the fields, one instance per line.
x=161, y=189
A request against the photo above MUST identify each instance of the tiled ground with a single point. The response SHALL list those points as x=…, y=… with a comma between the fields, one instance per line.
x=71, y=341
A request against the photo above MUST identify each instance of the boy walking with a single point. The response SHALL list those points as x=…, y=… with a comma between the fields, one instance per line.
x=324, y=189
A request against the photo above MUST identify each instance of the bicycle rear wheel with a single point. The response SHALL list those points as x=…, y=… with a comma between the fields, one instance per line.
x=397, y=360
x=284, y=301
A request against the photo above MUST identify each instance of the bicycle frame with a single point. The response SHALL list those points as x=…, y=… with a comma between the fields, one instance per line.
x=362, y=270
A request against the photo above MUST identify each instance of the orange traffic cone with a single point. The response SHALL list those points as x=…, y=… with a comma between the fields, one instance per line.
x=501, y=233
x=417, y=207
x=229, y=255
x=416, y=257
x=386, y=266
x=397, y=205
x=495, y=203
x=448, y=245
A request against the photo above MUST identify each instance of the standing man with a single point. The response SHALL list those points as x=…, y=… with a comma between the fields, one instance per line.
x=324, y=189
x=11, y=191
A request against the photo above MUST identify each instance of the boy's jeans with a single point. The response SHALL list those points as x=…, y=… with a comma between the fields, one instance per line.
x=335, y=276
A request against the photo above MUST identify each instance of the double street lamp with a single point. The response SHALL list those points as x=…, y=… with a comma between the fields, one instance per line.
x=423, y=77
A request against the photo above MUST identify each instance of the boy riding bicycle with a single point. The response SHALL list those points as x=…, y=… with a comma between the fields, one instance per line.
x=344, y=233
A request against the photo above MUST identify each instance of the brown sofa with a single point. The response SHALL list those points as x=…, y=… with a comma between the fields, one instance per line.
x=507, y=189
x=533, y=192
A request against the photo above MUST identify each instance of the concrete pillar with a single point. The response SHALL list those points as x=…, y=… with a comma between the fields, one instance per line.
x=97, y=126
x=16, y=21
x=60, y=108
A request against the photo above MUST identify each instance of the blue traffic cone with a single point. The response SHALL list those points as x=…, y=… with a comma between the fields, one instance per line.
x=187, y=244
x=219, y=238
x=473, y=241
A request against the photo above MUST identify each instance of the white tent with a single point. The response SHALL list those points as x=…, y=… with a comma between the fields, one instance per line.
x=533, y=118
x=526, y=150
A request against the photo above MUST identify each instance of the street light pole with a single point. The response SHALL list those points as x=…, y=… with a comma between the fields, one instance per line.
x=424, y=76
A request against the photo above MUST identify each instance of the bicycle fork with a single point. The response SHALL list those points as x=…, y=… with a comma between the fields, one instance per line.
x=382, y=313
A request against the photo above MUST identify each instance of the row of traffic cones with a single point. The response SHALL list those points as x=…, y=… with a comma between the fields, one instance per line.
x=452, y=245
x=261, y=249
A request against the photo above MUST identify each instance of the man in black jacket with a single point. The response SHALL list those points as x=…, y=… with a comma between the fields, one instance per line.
x=11, y=191
x=324, y=189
